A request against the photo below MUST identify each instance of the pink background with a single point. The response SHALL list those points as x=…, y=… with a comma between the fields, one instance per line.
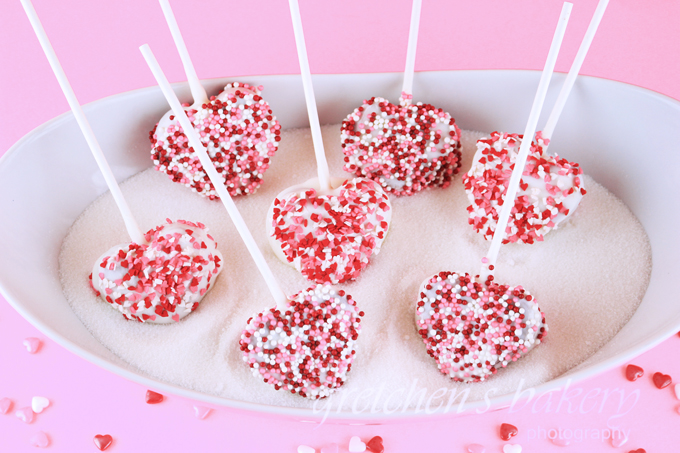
x=638, y=43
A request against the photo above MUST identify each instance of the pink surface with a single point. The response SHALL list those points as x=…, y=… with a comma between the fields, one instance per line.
x=97, y=44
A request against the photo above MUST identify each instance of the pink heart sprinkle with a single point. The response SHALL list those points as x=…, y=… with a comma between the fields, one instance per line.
x=618, y=441
x=305, y=449
x=356, y=445
x=201, y=412
x=332, y=448
x=40, y=440
x=476, y=448
x=175, y=317
x=25, y=414
x=5, y=405
x=560, y=441
x=512, y=448
x=32, y=344
x=677, y=391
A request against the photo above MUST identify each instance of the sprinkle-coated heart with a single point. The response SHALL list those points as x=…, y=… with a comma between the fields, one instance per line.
x=25, y=414
x=512, y=448
x=404, y=148
x=162, y=281
x=305, y=449
x=476, y=448
x=332, y=448
x=560, y=441
x=38, y=403
x=473, y=329
x=307, y=349
x=550, y=189
x=375, y=445
x=32, y=344
x=633, y=372
x=153, y=397
x=40, y=440
x=201, y=412
x=639, y=450
x=240, y=134
x=661, y=381
x=356, y=445
x=329, y=237
x=5, y=405
x=103, y=441
x=508, y=431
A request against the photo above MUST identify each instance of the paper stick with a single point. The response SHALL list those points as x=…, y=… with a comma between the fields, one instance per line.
x=195, y=142
x=197, y=90
x=575, y=69
x=529, y=132
x=317, y=139
x=407, y=87
x=130, y=223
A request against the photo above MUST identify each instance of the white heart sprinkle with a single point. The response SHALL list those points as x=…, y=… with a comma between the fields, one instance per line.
x=356, y=445
x=201, y=412
x=677, y=391
x=512, y=448
x=305, y=449
x=38, y=403
x=32, y=344
x=40, y=440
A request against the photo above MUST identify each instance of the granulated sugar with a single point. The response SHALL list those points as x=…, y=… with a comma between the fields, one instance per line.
x=588, y=277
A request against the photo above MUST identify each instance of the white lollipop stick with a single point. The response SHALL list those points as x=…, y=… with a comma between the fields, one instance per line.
x=410, y=68
x=539, y=99
x=130, y=223
x=197, y=90
x=195, y=141
x=321, y=163
x=575, y=69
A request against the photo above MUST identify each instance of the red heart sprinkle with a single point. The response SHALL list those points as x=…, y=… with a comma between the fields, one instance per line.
x=375, y=445
x=661, y=380
x=639, y=450
x=103, y=441
x=153, y=397
x=633, y=372
x=508, y=431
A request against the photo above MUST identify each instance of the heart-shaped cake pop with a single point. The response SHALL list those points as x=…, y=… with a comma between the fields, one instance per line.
x=473, y=329
x=162, y=281
x=239, y=131
x=307, y=349
x=550, y=190
x=329, y=237
x=405, y=147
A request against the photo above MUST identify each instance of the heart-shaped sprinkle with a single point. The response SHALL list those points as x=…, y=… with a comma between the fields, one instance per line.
x=633, y=372
x=5, y=405
x=512, y=448
x=560, y=441
x=103, y=441
x=32, y=344
x=550, y=190
x=167, y=277
x=305, y=449
x=153, y=397
x=240, y=134
x=40, y=440
x=38, y=403
x=201, y=412
x=404, y=148
x=25, y=414
x=476, y=448
x=375, y=445
x=676, y=390
x=329, y=237
x=508, y=431
x=473, y=329
x=332, y=448
x=308, y=349
x=661, y=381
x=639, y=450
x=356, y=445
